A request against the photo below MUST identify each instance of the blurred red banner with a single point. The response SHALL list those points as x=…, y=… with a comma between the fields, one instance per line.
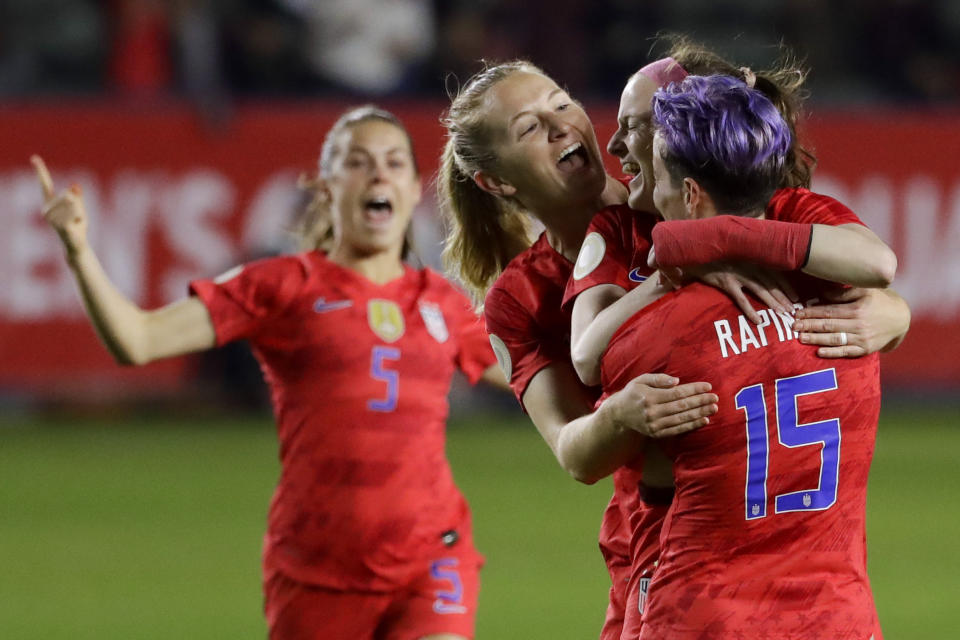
x=172, y=197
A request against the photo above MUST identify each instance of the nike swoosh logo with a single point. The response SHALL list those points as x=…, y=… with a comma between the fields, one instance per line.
x=635, y=275
x=322, y=306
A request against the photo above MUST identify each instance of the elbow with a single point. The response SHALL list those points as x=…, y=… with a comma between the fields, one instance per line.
x=127, y=356
x=586, y=366
x=886, y=269
x=583, y=475
x=577, y=466
x=880, y=271
x=127, y=359
x=587, y=479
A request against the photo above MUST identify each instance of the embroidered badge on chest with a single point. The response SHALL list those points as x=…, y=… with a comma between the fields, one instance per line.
x=385, y=319
x=434, y=321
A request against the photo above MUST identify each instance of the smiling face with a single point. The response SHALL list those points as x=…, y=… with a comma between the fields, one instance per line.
x=373, y=187
x=633, y=141
x=547, y=156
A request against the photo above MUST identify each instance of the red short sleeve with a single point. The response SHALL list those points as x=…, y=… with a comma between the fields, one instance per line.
x=516, y=341
x=241, y=299
x=474, y=354
x=604, y=256
x=804, y=206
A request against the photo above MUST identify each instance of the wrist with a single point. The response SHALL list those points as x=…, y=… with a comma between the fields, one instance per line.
x=76, y=252
x=609, y=415
x=684, y=243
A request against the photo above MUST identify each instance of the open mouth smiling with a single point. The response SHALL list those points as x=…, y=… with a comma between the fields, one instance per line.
x=378, y=210
x=573, y=157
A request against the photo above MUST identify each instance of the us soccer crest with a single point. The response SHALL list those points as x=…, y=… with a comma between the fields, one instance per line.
x=434, y=321
x=385, y=319
x=642, y=596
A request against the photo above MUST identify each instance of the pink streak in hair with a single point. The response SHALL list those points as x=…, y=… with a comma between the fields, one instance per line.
x=664, y=71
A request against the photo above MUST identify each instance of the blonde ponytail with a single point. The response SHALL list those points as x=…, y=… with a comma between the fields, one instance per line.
x=485, y=232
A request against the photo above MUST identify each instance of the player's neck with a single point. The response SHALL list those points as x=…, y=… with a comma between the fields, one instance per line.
x=566, y=222
x=565, y=234
x=758, y=214
x=379, y=267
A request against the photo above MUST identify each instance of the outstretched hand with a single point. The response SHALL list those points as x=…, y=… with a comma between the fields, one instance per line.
x=655, y=405
x=64, y=212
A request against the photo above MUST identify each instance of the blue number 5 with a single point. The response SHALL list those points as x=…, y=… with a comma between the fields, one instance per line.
x=445, y=569
x=392, y=378
x=791, y=434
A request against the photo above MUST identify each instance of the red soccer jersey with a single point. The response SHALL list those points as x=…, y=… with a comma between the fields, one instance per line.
x=617, y=243
x=529, y=331
x=359, y=375
x=622, y=238
x=523, y=317
x=766, y=534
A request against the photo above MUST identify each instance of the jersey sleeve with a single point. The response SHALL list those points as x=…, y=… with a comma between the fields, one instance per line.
x=474, y=353
x=622, y=360
x=604, y=256
x=243, y=298
x=805, y=206
x=515, y=339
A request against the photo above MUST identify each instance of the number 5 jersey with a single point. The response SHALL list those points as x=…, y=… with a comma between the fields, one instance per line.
x=359, y=375
x=766, y=534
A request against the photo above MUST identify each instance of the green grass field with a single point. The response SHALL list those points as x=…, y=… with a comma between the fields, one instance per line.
x=125, y=528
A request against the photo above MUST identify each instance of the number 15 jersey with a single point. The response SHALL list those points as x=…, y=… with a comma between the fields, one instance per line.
x=766, y=534
x=359, y=375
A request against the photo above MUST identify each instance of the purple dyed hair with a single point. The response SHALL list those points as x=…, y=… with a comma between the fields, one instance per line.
x=728, y=137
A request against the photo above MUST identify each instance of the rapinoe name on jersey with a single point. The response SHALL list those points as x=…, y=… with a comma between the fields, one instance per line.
x=754, y=335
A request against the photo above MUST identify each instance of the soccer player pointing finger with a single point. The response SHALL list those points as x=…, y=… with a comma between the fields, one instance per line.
x=368, y=537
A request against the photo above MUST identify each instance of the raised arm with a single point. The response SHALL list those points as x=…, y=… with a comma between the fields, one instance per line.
x=851, y=254
x=132, y=335
x=597, y=314
x=848, y=253
x=589, y=444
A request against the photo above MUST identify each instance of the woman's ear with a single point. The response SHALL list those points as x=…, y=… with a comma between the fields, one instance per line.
x=419, y=195
x=315, y=185
x=693, y=198
x=492, y=184
x=698, y=200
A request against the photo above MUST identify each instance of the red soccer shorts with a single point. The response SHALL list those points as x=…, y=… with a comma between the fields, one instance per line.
x=443, y=599
x=655, y=502
x=619, y=569
x=636, y=598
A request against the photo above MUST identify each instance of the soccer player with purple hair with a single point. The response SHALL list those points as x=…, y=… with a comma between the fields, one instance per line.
x=766, y=534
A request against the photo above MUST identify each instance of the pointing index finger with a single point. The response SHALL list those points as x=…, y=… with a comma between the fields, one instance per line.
x=46, y=182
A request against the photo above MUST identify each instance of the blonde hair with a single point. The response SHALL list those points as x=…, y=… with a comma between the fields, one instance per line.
x=314, y=226
x=484, y=232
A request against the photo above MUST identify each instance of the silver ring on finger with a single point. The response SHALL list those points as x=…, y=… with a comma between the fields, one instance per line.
x=843, y=338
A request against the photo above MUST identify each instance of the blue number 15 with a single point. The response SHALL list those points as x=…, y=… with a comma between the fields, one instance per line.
x=791, y=434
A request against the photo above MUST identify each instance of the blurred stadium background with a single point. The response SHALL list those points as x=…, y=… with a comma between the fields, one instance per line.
x=132, y=502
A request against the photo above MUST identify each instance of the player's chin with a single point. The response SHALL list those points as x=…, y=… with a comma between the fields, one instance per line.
x=383, y=240
x=639, y=199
